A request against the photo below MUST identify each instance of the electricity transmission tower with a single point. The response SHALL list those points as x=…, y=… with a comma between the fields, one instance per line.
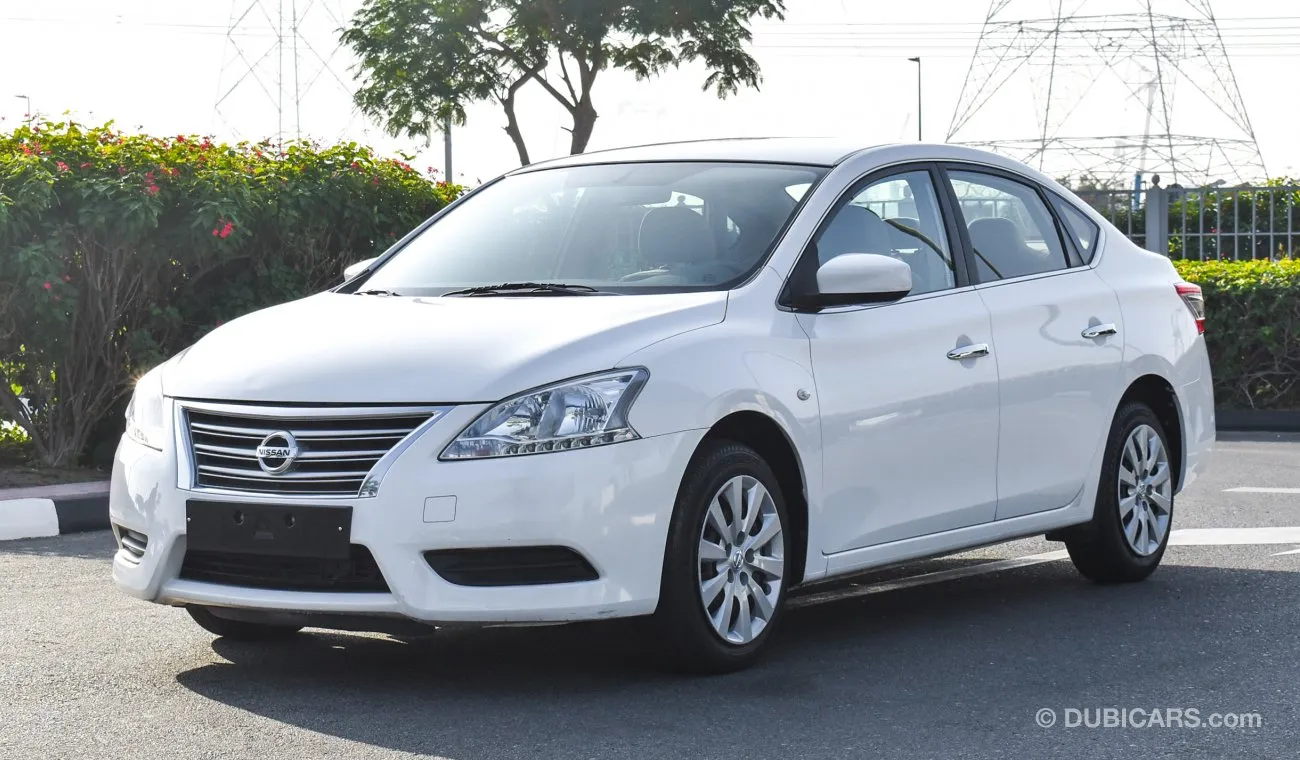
x=1105, y=89
x=280, y=73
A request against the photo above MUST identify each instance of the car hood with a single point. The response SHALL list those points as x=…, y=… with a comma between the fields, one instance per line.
x=336, y=348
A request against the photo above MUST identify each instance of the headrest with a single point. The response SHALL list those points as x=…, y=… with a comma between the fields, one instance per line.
x=854, y=230
x=996, y=233
x=676, y=235
x=905, y=232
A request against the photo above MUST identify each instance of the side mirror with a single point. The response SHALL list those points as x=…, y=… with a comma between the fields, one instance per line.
x=357, y=268
x=853, y=279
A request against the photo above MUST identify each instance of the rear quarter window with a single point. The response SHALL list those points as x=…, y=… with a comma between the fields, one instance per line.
x=1079, y=227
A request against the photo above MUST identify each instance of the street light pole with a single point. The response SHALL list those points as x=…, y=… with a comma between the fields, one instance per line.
x=29, y=105
x=446, y=149
x=917, y=61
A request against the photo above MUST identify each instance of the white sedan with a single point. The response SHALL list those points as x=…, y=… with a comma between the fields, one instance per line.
x=674, y=381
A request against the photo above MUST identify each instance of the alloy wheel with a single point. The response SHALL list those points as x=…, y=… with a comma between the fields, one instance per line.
x=1146, y=490
x=741, y=559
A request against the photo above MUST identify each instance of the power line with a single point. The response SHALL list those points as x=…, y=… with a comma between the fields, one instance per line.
x=1058, y=64
x=278, y=52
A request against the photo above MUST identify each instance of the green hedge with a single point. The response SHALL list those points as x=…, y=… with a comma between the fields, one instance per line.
x=1253, y=330
x=118, y=250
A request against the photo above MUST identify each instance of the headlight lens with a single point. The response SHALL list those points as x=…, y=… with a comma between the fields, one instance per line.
x=573, y=415
x=144, y=415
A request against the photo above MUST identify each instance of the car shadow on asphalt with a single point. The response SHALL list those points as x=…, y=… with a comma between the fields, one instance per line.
x=931, y=658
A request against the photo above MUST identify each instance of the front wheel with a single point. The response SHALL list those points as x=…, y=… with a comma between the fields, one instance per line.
x=724, y=576
x=1135, y=502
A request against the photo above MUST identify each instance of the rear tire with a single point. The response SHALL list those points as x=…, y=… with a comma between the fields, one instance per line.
x=724, y=576
x=1135, y=502
x=239, y=630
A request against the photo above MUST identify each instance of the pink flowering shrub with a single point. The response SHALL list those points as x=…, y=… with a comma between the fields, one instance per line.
x=117, y=250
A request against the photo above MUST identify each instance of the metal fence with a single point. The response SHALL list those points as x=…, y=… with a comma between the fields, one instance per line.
x=1237, y=223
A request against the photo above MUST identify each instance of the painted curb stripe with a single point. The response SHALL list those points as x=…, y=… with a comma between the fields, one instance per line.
x=28, y=518
x=79, y=514
x=42, y=518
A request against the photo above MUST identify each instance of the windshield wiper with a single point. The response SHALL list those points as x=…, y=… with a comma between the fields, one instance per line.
x=554, y=288
x=376, y=292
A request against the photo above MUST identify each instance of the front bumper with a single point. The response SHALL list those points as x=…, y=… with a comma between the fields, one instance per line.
x=612, y=504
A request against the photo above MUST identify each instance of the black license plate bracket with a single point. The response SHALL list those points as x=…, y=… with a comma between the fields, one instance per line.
x=279, y=530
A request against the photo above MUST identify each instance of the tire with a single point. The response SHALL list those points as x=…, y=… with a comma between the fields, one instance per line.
x=754, y=580
x=239, y=630
x=1125, y=546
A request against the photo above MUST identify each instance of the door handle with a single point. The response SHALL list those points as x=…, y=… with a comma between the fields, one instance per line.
x=1098, y=331
x=973, y=351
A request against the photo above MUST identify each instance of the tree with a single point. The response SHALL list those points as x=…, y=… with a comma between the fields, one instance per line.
x=422, y=62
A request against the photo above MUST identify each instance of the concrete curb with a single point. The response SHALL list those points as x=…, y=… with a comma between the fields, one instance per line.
x=53, y=510
x=1256, y=420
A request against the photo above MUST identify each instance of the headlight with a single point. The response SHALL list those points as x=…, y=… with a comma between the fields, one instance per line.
x=144, y=415
x=572, y=415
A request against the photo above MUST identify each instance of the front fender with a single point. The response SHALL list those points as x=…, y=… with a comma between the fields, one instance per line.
x=758, y=363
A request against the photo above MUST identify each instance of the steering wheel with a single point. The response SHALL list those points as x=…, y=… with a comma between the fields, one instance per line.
x=643, y=274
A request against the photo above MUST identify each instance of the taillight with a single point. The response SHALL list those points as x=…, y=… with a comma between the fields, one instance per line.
x=1191, y=295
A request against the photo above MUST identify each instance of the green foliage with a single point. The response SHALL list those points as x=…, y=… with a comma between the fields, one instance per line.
x=1253, y=330
x=12, y=435
x=118, y=250
x=423, y=61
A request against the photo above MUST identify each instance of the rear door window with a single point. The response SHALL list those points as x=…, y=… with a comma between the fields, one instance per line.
x=1011, y=231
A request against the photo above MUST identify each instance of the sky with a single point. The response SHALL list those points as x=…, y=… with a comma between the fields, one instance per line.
x=833, y=67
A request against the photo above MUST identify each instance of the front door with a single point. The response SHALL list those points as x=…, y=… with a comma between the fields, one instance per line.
x=1057, y=327
x=907, y=391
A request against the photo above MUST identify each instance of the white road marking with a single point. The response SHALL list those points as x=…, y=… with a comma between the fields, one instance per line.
x=1234, y=536
x=1182, y=537
x=1255, y=489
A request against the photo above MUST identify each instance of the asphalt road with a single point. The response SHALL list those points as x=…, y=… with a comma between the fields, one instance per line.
x=953, y=669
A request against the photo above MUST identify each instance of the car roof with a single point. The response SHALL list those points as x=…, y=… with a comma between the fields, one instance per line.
x=809, y=151
x=813, y=151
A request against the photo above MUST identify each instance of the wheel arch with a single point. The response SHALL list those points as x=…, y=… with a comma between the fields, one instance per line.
x=1158, y=393
x=766, y=436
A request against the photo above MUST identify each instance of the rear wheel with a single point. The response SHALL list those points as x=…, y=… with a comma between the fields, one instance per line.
x=1135, y=502
x=239, y=630
x=724, y=573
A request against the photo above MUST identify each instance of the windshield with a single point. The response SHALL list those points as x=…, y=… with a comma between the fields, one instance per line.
x=617, y=228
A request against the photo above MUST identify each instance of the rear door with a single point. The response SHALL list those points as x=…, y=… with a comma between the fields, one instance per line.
x=1056, y=328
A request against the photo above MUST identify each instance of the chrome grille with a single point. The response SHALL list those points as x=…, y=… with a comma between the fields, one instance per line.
x=334, y=453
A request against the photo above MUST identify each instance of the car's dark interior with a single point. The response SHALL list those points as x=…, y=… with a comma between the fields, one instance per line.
x=857, y=229
x=675, y=235
x=712, y=227
x=1002, y=252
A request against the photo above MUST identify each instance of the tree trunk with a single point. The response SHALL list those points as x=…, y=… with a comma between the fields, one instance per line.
x=512, y=123
x=584, y=123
